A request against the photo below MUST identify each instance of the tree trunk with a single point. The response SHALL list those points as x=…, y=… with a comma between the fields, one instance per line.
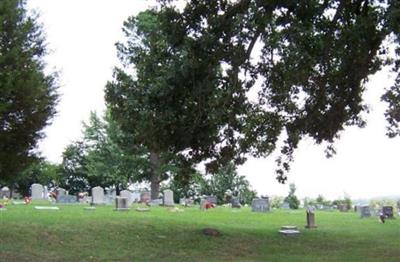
x=155, y=177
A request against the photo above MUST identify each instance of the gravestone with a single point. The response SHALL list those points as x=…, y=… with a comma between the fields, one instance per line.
x=236, y=203
x=127, y=194
x=310, y=219
x=186, y=202
x=260, y=205
x=4, y=192
x=121, y=204
x=343, y=208
x=212, y=199
x=66, y=199
x=289, y=232
x=109, y=197
x=37, y=192
x=136, y=196
x=285, y=205
x=61, y=192
x=145, y=197
x=87, y=199
x=388, y=211
x=168, y=198
x=45, y=193
x=365, y=211
x=98, y=195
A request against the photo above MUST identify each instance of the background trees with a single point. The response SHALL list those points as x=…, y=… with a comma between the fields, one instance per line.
x=183, y=89
x=100, y=158
x=292, y=199
x=27, y=94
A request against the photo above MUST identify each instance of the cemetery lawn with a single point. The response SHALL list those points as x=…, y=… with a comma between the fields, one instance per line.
x=74, y=234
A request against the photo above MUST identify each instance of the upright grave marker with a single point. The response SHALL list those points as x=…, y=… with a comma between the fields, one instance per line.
x=37, y=192
x=260, y=205
x=121, y=204
x=310, y=219
x=128, y=195
x=98, y=195
x=365, y=211
x=388, y=211
x=168, y=199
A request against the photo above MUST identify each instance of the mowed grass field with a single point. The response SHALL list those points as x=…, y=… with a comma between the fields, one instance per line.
x=73, y=234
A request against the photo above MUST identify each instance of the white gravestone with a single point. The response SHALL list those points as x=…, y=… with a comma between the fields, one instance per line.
x=136, y=196
x=128, y=195
x=45, y=193
x=168, y=197
x=37, y=192
x=98, y=195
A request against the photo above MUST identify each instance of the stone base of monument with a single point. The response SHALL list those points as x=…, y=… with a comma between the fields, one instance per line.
x=289, y=232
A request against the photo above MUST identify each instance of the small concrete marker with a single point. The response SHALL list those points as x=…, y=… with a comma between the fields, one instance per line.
x=46, y=208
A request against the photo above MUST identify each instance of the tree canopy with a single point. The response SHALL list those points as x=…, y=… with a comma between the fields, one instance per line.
x=183, y=89
x=101, y=158
x=27, y=94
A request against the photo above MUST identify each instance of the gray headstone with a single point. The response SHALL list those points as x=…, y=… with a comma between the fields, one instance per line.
x=121, y=204
x=260, y=205
x=37, y=191
x=285, y=205
x=365, y=211
x=310, y=219
x=212, y=199
x=168, y=197
x=66, y=199
x=61, y=192
x=388, y=211
x=136, y=197
x=128, y=195
x=236, y=203
x=343, y=208
x=145, y=197
x=98, y=195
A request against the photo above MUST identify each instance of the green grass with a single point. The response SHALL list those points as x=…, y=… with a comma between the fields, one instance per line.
x=73, y=234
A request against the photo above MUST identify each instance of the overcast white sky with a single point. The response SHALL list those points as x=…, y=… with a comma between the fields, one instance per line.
x=81, y=35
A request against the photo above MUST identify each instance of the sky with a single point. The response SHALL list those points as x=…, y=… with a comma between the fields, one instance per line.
x=81, y=37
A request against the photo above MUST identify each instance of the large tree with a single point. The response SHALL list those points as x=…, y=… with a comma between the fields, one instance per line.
x=183, y=88
x=27, y=94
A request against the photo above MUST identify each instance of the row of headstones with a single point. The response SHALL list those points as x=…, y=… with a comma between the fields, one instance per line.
x=365, y=211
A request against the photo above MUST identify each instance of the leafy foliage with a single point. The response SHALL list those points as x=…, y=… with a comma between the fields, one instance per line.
x=292, y=199
x=183, y=89
x=226, y=179
x=100, y=159
x=27, y=94
x=42, y=172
